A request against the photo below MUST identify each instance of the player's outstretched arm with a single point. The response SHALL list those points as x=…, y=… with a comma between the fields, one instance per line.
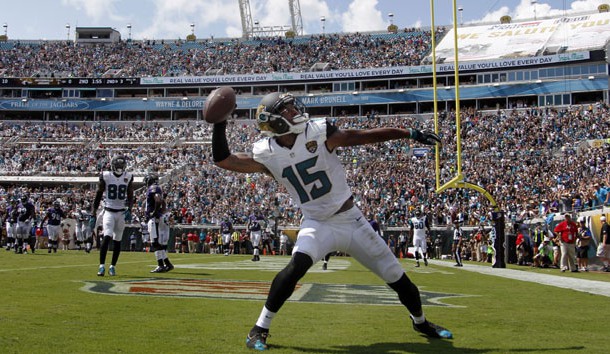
x=223, y=158
x=377, y=135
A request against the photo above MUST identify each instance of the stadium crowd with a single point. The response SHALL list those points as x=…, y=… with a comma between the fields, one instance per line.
x=533, y=161
x=160, y=58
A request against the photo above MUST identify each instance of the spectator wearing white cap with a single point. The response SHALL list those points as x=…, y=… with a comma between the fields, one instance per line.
x=603, y=252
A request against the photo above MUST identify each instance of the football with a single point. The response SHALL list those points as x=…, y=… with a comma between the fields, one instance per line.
x=219, y=105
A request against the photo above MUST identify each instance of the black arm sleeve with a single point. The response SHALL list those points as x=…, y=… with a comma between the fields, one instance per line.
x=220, y=147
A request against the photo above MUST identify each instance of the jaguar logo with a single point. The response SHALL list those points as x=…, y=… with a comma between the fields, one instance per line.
x=311, y=146
x=255, y=290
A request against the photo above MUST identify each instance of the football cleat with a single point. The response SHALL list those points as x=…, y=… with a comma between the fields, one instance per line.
x=159, y=270
x=432, y=330
x=101, y=271
x=169, y=267
x=111, y=271
x=257, y=340
x=325, y=266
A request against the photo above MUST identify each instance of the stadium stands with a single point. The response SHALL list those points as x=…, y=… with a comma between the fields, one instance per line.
x=523, y=154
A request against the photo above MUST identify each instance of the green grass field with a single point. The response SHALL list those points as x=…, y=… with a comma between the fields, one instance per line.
x=55, y=303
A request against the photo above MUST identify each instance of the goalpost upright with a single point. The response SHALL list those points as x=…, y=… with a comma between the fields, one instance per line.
x=458, y=180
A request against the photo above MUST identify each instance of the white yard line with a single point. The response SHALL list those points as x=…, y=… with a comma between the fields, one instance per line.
x=588, y=286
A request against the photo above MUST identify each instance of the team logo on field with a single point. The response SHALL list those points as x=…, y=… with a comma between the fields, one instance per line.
x=254, y=290
x=311, y=146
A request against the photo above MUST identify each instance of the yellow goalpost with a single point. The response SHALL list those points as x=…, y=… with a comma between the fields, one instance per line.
x=458, y=180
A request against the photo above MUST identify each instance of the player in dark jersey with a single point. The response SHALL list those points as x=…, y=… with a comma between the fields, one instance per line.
x=226, y=229
x=27, y=212
x=53, y=217
x=256, y=232
x=157, y=218
x=12, y=214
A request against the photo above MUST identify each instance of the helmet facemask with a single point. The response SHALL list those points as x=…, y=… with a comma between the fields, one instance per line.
x=118, y=165
x=151, y=179
x=271, y=122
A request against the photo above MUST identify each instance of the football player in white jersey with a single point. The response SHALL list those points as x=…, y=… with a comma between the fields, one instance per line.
x=419, y=225
x=78, y=228
x=301, y=154
x=116, y=188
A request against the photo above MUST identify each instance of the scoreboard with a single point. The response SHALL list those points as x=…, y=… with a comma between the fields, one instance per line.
x=69, y=82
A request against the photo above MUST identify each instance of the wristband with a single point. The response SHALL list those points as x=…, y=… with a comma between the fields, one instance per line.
x=414, y=133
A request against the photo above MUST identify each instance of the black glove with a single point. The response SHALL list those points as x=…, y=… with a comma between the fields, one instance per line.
x=425, y=137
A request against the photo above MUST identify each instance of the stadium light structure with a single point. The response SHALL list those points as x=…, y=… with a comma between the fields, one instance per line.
x=391, y=17
x=5, y=26
x=129, y=29
x=193, y=29
x=323, y=21
x=67, y=31
x=461, y=11
x=251, y=29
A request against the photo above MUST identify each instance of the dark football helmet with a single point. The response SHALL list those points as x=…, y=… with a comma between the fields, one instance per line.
x=57, y=204
x=118, y=164
x=25, y=198
x=270, y=119
x=151, y=179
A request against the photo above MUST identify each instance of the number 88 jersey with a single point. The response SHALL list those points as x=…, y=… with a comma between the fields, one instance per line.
x=115, y=195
